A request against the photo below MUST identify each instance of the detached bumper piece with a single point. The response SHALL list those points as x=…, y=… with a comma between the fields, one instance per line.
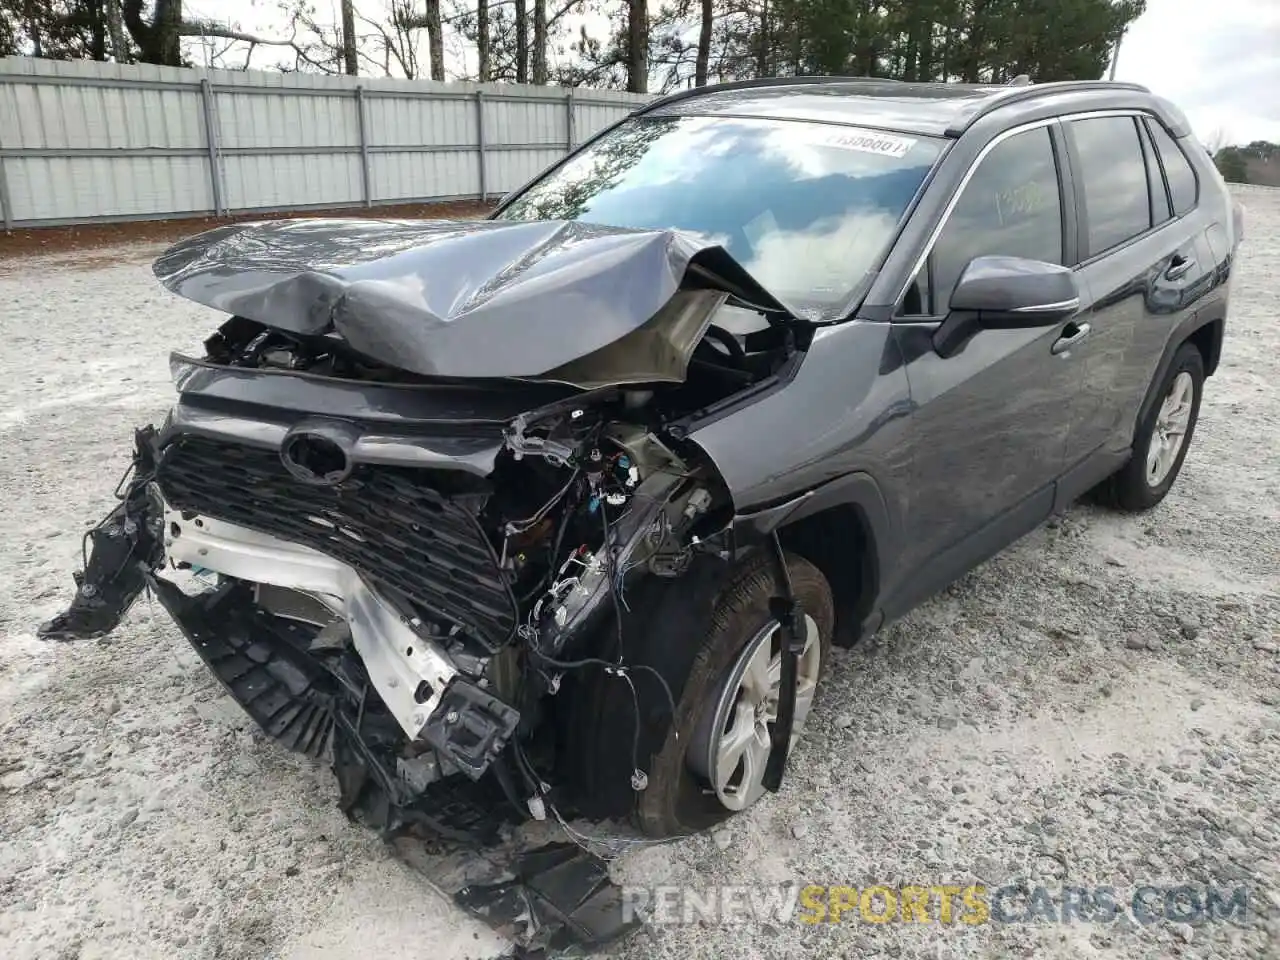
x=264, y=662
x=258, y=658
x=123, y=549
x=560, y=900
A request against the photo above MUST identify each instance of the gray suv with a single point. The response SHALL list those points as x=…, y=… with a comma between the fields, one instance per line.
x=558, y=513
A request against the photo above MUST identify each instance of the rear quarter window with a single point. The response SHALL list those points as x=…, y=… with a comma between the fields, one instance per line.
x=1183, y=187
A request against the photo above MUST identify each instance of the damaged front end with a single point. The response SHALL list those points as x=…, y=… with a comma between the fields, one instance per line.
x=391, y=519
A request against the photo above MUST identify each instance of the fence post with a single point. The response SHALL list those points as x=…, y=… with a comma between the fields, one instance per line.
x=364, y=147
x=211, y=136
x=572, y=121
x=480, y=143
x=6, y=204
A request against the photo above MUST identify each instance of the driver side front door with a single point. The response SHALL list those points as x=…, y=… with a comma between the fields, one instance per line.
x=990, y=423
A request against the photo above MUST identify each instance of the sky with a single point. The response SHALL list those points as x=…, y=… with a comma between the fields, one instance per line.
x=1217, y=59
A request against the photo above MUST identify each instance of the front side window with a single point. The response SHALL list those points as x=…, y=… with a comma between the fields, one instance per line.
x=1177, y=169
x=807, y=209
x=1011, y=206
x=1117, y=201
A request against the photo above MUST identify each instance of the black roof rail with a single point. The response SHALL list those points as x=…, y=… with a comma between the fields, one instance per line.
x=692, y=92
x=1032, y=91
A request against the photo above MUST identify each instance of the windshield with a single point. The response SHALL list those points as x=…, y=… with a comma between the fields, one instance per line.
x=806, y=208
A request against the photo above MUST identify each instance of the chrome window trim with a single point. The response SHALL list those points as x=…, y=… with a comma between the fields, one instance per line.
x=1071, y=304
x=977, y=161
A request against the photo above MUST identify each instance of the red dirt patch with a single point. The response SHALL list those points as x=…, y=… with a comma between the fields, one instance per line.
x=95, y=236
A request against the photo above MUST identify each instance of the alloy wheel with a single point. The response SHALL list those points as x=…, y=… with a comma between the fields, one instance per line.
x=731, y=744
x=1170, y=430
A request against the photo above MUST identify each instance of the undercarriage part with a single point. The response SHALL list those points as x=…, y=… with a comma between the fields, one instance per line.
x=469, y=727
x=389, y=524
x=259, y=659
x=561, y=897
x=123, y=549
x=264, y=662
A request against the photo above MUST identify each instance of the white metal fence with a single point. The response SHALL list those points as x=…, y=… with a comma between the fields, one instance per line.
x=83, y=141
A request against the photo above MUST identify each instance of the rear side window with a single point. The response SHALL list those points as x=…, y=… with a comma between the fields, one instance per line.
x=1177, y=169
x=1012, y=206
x=1114, y=175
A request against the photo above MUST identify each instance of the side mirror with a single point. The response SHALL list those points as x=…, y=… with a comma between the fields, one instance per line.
x=1006, y=293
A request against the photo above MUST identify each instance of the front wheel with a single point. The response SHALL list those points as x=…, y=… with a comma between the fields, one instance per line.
x=1161, y=442
x=712, y=763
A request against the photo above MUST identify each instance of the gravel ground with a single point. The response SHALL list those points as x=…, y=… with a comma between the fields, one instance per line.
x=1096, y=706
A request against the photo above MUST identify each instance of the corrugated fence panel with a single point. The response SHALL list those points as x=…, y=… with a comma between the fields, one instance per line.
x=418, y=176
x=417, y=121
x=276, y=181
x=589, y=118
x=80, y=188
x=508, y=169
x=511, y=121
x=85, y=141
x=281, y=120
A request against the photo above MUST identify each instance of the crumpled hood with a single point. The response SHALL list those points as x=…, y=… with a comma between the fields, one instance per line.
x=482, y=298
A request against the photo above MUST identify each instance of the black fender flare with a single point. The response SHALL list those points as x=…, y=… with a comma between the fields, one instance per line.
x=1181, y=334
x=880, y=524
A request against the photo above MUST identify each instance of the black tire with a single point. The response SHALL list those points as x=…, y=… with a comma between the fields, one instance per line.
x=1128, y=489
x=676, y=802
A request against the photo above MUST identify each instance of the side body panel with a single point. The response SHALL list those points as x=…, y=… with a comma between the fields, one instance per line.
x=835, y=433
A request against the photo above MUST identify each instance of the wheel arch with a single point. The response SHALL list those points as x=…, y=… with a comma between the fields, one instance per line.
x=1208, y=340
x=843, y=528
x=1204, y=331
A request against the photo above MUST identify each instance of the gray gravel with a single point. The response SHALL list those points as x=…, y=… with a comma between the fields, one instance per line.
x=1096, y=706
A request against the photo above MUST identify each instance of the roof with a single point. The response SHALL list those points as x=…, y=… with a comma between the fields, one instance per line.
x=929, y=109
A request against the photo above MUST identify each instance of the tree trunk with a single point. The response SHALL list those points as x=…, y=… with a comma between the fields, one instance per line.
x=158, y=41
x=115, y=29
x=976, y=40
x=540, y=41
x=762, y=55
x=350, y=62
x=435, y=39
x=522, y=42
x=637, y=46
x=33, y=28
x=924, y=70
x=168, y=44
x=97, y=29
x=704, y=44
x=482, y=38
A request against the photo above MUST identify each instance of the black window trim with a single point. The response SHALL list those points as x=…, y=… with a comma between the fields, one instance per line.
x=1153, y=164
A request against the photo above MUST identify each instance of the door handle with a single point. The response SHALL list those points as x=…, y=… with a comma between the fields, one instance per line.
x=1179, y=267
x=1071, y=335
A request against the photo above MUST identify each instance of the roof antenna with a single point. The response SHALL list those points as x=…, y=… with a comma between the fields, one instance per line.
x=1021, y=80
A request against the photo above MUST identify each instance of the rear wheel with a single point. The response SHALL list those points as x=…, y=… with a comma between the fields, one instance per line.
x=1161, y=442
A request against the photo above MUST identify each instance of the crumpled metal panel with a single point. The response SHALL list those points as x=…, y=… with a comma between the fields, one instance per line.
x=453, y=298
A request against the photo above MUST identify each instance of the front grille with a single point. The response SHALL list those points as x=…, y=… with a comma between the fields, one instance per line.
x=389, y=524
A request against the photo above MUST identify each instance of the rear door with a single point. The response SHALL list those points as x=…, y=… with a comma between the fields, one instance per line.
x=1140, y=265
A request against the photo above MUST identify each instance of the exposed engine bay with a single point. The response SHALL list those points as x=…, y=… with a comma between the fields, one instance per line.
x=399, y=570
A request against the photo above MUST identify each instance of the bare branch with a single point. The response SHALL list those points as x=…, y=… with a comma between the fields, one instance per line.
x=203, y=28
